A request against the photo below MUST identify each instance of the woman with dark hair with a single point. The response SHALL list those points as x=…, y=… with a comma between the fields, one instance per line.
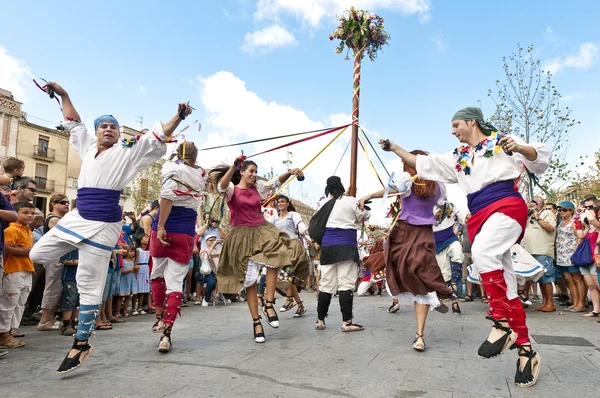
x=289, y=221
x=252, y=242
x=172, y=236
x=412, y=271
x=339, y=253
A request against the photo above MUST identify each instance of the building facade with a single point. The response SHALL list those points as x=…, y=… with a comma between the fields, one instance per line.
x=45, y=153
x=10, y=112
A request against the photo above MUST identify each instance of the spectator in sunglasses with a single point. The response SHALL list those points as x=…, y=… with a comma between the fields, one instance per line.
x=588, y=213
x=26, y=189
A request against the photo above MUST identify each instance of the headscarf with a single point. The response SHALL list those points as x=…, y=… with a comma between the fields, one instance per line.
x=474, y=113
x=104, y=119
x=334, y=187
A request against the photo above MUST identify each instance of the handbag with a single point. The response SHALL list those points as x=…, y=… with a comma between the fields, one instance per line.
x=205, y=268
x=582, y=257
x=318, y=222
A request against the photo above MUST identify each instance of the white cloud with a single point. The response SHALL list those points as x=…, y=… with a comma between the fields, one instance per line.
x=14, y=75
x=141, y=89
x=551, y=37
x=312, y=12
x=439, y=41
x=585, y=58
x=236, y=114
x=573, y=96
x=268, y=39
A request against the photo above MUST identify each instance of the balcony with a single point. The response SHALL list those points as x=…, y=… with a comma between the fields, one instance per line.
x=126, y=191
x=44, y=185
x=43, y=153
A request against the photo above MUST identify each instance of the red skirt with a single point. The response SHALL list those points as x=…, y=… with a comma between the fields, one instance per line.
x=179, y=250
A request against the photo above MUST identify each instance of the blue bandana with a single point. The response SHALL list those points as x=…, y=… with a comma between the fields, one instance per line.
x=105, y=119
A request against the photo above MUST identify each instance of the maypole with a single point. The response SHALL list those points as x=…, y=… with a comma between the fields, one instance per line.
x=362, y=32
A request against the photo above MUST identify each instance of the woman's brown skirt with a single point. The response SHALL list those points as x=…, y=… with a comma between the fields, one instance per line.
x=300, y=263
x=264, y=244
x=410, y=261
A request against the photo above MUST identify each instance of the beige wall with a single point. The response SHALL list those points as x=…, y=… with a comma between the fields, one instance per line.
x=56, y=161
x=10, y=112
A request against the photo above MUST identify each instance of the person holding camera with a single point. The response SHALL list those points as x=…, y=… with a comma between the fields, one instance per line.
x=540, y=234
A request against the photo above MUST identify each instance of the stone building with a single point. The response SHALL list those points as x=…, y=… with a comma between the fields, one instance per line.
x=10, y=112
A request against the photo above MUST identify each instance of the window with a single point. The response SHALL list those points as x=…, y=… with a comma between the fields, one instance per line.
x=43, y=143
x=41, y=170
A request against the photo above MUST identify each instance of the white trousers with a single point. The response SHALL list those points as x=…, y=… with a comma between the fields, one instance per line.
x=338, y=276
x=15, y=291
x=173, y=272
x=491, y=249
x=451, y=254
x=363, y=287
x=91, y=271
x=53, y=286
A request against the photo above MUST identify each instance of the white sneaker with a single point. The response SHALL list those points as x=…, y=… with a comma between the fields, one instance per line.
x=227, y=301
x=135, y=313
x=164, y=345
x=142, y=312
x=204, y=303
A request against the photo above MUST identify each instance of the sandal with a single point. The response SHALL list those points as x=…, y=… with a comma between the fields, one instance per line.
x=70, y=364
x=484, y=300
x=258, y=337
x=11, y=342
x=48, y=326
x=456, y=308
x=158, y=326
x=442, y=308
x=591, y=314
x=320, y=325
x=104, y=326
x=273, y=321
x=300, y=311
x=288, y=305
x=489, y=349
x=395, y=307
x=529, y=375
x=352, y=327
x=419, y=343
x=16, y=333
x=165, y=343
x=467, y=298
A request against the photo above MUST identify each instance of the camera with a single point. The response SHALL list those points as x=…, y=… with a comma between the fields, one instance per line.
x=530, y=213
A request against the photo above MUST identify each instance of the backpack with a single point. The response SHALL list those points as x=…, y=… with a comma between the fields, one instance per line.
x=318, y=222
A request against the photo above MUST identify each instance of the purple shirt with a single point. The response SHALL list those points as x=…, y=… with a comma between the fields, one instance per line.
x=419, y=211
x=4, y=205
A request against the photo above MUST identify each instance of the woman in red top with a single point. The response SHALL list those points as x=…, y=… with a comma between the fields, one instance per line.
x=252, y=242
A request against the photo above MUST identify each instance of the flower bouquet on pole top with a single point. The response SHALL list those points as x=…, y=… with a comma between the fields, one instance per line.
x=360, y=31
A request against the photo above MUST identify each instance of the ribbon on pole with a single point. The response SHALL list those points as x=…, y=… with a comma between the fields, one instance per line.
x=305, y=166
x=301, y=140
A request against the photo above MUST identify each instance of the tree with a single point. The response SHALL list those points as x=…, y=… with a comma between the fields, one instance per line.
x=528, y=105
x=146, y=185
x=588, y=183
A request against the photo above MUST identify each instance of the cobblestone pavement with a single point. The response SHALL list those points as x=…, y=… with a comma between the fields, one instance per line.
x=214, y=355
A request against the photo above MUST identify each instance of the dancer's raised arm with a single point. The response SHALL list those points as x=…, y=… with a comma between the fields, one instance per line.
x=68, y=109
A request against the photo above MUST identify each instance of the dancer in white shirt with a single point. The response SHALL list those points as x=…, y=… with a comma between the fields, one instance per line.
x=487, y=168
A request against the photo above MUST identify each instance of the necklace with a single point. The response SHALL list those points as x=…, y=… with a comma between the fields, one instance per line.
x=486, y=148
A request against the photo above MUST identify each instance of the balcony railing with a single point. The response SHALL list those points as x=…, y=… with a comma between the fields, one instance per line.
x=43, y=184
x=43, y=153
x=126, y=191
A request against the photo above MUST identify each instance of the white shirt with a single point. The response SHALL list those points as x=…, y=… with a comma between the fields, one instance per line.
x=174, y=175
x=289, y=223
x=115, y=167
x=346, y=214
x=484, y=170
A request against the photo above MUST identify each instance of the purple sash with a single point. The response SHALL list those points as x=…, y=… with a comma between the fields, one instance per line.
x=99, y=204
x=339, y=236
x=489, y=194
x=181, y=220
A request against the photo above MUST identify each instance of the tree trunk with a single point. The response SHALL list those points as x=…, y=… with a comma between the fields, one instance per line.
x=355, y=104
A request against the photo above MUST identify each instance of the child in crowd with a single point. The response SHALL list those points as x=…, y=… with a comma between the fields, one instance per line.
x=13, y=168
x=209, y=258
x=18, y=273
x=128, y=283
x=70, y=294
x=143, y=275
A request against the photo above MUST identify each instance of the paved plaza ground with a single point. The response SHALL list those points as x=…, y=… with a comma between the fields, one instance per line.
x=214, y=355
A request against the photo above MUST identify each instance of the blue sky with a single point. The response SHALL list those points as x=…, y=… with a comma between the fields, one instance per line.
x=255, y=68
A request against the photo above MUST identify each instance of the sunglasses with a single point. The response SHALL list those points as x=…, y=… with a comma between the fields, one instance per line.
x=590, y=207
x=62, y=202
x=32, y=189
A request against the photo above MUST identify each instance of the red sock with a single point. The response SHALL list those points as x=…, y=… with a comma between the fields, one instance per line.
x=172, y=308
x=495, y=288
x=159, y=290
x=518, y=322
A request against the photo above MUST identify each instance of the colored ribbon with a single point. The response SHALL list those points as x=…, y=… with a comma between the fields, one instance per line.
x=306, y=165
x=50, y=92
x=301, y=140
